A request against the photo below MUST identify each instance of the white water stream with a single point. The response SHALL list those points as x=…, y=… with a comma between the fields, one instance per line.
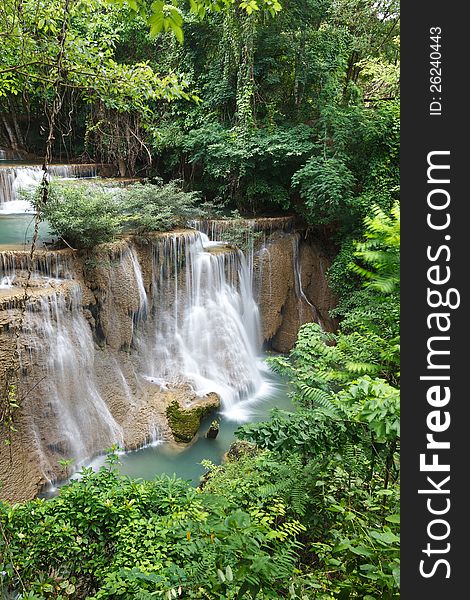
x=17, y=176
x=206, y=329
x=193, y=321
x=60, y=342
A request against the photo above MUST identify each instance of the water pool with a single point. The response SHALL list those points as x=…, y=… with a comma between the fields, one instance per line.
x=184, y=460
x=17, y=231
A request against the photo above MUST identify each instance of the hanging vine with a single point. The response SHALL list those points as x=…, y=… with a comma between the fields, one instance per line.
x=117, y=138
x=245, y=77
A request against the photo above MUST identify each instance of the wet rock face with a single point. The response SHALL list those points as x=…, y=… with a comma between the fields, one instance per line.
x=110, y=279
x=290, y=273
x=213, y=430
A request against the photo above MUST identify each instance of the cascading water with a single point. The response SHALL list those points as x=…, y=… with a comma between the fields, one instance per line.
x=304, y=301
x=60, y=341
x=172, y=317
x=143, y=301
x=14, y=178
x=6, y=282
x=46, y=267
x=206, y=323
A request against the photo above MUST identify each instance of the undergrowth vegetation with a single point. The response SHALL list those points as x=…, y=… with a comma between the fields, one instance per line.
x=83, y=215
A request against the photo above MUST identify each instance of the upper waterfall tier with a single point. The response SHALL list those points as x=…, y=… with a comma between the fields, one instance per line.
x=17, y=176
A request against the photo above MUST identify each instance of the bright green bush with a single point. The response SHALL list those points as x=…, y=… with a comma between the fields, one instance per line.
x=347, y=479
x=158, y=207
x=84, y=214
x=108, y=537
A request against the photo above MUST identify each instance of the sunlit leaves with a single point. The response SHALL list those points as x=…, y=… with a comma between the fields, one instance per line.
x=168, y=17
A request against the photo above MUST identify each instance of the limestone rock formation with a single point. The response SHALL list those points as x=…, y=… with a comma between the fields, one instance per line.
x=89, y=342
x=185, y=419
x=290, y=273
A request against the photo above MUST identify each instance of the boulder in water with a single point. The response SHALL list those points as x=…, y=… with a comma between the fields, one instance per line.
x=213, y=430
x=184, y=421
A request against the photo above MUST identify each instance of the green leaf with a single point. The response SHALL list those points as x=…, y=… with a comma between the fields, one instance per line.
x=156, y=24
x=178, y=33
x=393, y=518
x=387, y=537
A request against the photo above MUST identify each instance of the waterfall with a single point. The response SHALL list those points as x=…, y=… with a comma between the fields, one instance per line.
x=104, y=347
x=298, y=284
x=14, y=178
x=8, y=154
x=206, y=329
x=46, y=265
x=143, y=301
x=59, y=341
x=6, y=282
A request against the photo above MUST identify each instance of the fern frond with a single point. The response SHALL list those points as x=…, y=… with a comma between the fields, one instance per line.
x=319, y=398
x=362, y=367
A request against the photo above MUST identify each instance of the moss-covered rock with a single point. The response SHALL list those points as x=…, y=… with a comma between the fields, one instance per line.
x=184, y=421
x=213, y=430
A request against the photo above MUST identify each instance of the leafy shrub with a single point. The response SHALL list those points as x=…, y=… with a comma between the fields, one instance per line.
x=108, y=537
x=348, y=472
x=158, y=207
x=86, y=214
x=326, y=185
x=82, y=215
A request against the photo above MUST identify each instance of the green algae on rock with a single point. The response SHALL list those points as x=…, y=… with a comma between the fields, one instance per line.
x=184, y=421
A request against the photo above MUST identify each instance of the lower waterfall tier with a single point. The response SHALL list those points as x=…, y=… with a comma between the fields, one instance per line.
x=108, y=339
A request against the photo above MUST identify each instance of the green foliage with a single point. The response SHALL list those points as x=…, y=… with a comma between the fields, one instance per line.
x=81, y=215
x=326, y=186
x=159, y=207
x=84, y=215
x=346, y=433
x=168, y=17
x=107, y=536
x=348, y=465
x=299, y=113
x=380, y=251
x=268, y=113
x=338, y=358
x=248, y=168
